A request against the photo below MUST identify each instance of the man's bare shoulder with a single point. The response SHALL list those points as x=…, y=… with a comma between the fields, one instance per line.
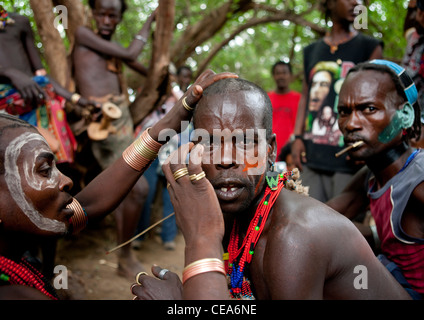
x=82, y=34
x=298, y=216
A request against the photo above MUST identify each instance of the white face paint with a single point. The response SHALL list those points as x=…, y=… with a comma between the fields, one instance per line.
x=29, y=171
x=13, y=180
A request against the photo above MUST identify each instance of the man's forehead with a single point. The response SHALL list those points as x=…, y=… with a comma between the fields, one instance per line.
x=367, y=83
x=108, y=4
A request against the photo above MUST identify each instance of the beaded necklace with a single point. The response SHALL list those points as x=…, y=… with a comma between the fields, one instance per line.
x=24, y=273
x=239, y=258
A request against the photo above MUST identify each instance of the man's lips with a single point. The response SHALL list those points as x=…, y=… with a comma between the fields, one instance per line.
x=228, y=190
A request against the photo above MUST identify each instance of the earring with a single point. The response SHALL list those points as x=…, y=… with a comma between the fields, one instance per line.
x=272, y=178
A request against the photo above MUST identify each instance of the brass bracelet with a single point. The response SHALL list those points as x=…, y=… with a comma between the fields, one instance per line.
x=142, y=151
x=202, y=266
x=79, y=219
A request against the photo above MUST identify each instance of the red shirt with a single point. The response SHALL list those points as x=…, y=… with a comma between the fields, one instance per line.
x=284, y=107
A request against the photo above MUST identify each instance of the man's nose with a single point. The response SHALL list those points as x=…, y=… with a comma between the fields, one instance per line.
x=227, y=156
x=353, y=122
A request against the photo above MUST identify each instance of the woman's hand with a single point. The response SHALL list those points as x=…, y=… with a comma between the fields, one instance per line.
x=172, y=122
x=196, y=206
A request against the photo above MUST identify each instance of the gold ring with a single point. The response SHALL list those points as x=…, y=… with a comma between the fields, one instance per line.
x=167, y=185
x=186, y=106
x=132, y=287
x=138, y=275
x=198, y=176
x=303, y=154
x=180, y=173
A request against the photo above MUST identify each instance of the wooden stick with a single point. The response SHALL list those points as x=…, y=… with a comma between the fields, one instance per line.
x=355, y=145
x=140, y=234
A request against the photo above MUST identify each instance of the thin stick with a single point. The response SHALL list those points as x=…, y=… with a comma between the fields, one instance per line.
x=355, y=145
x=140, y=234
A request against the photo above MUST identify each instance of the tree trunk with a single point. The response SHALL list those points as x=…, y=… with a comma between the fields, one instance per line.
x=54, y=49
x=157, y=83
x=76, y=17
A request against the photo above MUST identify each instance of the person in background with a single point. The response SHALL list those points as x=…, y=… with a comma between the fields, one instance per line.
x=326, y=63
x=97, y=64
x=284, y=102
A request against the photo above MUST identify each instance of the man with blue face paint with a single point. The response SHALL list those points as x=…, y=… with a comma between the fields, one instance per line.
x=378, y=116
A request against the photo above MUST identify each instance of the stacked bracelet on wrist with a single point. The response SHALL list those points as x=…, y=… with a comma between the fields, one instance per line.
x=79, y=219
x=142, y=151
x=202, y=266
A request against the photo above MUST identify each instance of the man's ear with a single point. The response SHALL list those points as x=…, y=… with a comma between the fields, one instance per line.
x=272, y=151
x=406, y=115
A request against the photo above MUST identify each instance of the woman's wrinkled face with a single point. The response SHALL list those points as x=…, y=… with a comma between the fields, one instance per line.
x=37, y=188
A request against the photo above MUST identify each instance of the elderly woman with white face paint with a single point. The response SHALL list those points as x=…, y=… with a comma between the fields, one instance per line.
x=34, y=198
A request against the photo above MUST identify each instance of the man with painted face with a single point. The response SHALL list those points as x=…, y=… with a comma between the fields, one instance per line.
x=97, y=62
x=278, y=244
x=35, y=203
x=378, y=106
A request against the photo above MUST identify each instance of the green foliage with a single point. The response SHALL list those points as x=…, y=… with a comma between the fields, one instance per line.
x=252, y=52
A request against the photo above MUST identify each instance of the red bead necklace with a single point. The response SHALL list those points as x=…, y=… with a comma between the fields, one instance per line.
x=239, y=258
x=24, y=273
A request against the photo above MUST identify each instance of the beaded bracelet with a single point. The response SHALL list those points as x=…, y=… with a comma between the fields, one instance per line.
x=202, y=266
x=79, y=219
x=142, y=151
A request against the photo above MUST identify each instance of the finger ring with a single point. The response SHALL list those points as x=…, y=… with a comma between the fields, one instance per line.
x=186, y=106
x=180, y=173
x=162, y=273
x=138, y=276
x=303, y=154
x=198, y=176
x=132, y=287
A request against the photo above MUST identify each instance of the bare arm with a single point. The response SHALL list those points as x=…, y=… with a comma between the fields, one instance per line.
x=353, y=200
x=298, y=146
x=86, y=37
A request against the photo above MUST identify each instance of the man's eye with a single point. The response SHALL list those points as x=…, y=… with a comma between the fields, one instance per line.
x=370, y=109
x=246, y=143
x=342, y=111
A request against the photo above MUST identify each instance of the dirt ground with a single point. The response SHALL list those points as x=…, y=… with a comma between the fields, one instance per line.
x=92, y=274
